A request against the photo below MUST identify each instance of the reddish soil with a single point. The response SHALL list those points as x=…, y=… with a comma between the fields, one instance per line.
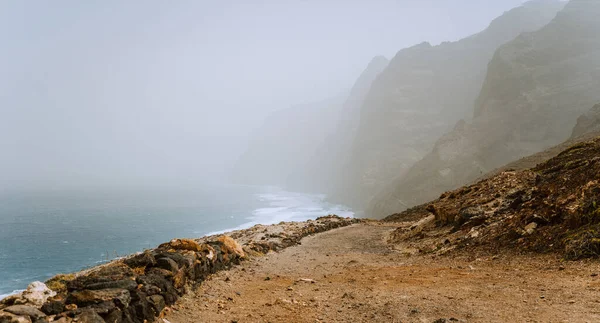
x=359, y=277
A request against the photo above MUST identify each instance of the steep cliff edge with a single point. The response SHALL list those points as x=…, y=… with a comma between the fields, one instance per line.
x=324, y=170
x=536, y=87
x=423, y=92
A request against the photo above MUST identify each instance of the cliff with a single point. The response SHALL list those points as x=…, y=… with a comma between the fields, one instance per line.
x=536, y=87
x=422, y=93
x=323, y=169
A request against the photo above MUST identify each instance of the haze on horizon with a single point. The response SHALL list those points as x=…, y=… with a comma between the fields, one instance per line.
x=118, y=93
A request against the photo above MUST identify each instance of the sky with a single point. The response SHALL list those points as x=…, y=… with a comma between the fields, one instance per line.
x=168, y=92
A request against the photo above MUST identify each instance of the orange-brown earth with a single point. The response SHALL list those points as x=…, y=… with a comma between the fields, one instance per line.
x=354, y=274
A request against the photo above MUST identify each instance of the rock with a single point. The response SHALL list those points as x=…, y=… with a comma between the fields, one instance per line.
x=62, y=320
x=59, y=283
x=157, y=302
x=89, y=297
x=42, y=320
x=530, y=228
x=168, y=291
x=25, y=310
x=89, y=317
x=114, y=270
x=141, y=260
x=37, y=293
x=122, y=284
x=179, y=279
x=116, y=316
x=539, y=220
x=53, y=307
x=179, y=258
x=231, y=246
x=113, y=276
x=473, y=233
x=140, y=307
x=467, y=214
x=11, y=318
x=307, y=280
x=182, y=244
x=168, y=264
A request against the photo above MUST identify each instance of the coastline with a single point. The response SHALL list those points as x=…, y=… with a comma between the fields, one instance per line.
x=139, y=287
x=69, y=231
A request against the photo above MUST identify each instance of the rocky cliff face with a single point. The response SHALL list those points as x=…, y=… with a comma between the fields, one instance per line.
x=536, y=87
x=588, y=122
x=423, y=92
x=324, y=168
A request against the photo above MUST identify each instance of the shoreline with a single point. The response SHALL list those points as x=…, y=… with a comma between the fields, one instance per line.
x=60, y=235
x=151, y=280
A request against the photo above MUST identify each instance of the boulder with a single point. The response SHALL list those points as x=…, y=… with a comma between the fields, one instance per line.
x=53, y=307
x=141, y=260
x=168, y=264
x=6, y=317
x=157, y=302
x=182, y=244
x=89, y=317
x=116, y=316
x=37, y=293
x=25, y=310
x=168, y=291
x=89, y=297
x=231, y=246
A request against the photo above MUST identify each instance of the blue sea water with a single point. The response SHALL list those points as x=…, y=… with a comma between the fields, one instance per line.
x=46, y=233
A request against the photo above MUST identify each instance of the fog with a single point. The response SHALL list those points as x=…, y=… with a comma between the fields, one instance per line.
x=127, y=93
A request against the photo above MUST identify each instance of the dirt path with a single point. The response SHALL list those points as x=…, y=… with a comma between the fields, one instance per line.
x=359, y=278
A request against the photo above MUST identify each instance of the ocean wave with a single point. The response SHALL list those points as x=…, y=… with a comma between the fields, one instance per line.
x=284, y=206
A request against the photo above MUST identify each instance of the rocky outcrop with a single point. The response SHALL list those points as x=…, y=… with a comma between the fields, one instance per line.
x=587, y=123
x=422, y=93
x=553, y=207
x=536, y=87
x=139, y=288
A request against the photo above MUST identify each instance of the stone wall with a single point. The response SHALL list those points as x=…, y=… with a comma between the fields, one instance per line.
x=138, y=288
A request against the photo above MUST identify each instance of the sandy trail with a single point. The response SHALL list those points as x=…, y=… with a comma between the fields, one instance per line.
x=359, y=278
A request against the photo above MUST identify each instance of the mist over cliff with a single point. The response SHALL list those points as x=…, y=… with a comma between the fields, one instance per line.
x=536, y=88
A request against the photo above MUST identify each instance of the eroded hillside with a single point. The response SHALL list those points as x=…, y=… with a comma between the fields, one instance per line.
x=554, y=206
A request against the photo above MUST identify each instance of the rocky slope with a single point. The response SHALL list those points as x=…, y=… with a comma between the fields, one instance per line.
x=420, y=95
x=536, y=87
x=589, y=122
x=553, y=207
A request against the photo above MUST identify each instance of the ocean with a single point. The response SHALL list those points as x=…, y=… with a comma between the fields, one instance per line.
x=46, y=233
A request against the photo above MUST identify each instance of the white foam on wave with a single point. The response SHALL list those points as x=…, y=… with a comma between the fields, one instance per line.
x=284, y=206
